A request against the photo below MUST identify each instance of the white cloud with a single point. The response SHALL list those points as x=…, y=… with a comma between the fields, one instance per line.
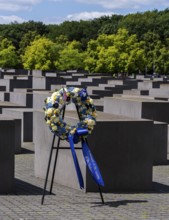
x=17, y=5
x=76, y=17
x=130, y=4
x=87, y=15
x=9, y=19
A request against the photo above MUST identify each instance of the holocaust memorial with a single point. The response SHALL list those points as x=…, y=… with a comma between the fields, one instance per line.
x=106, y=137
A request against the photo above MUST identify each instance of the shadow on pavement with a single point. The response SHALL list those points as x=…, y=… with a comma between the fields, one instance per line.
x=25, y=188
x=26, y=151
x=160, y=188
x=119, y=203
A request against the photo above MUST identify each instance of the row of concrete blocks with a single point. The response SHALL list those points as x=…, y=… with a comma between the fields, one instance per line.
x=30, y=98
x=104, y=125
x=141, y=108
x=23, y=72
x=24, y=96
x=37, y=81
x=125, y=149
x=113, y=86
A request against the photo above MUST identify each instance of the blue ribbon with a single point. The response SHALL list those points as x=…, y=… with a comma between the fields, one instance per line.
x=89, y=159
x=91, y=163
x=80, y=132
x=77, y=167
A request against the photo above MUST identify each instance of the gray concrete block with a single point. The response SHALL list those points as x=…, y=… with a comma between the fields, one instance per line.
x=39, y=82
x=159, y=92
x=103, y=93
x=157, y=111
x=7, y=96
x=149, y=109
x=57, y=81
x=122, y=106
x=6, y=83
x=73, y=84
x=22, y=98
x=4, y=96
x=121, y=146
x=26, y=117
x=136, y=92
x=17, y=133
x=7, y=150
x=138, y=107
x=9, y=105
x=39, y=97
x=36, y=73
x=1, y=96
x=17, y=141
x=125, y=159
x=145, y=85
x=160, y=142
x=115, y=82
x=131, y=82
x=20, y=83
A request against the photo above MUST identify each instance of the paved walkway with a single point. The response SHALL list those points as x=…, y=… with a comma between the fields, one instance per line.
x=69, y=204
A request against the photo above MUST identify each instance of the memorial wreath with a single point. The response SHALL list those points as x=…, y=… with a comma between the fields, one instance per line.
x=54, y=116
x=86, y=109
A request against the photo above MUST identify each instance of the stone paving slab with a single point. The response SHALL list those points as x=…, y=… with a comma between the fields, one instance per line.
x=69, y=204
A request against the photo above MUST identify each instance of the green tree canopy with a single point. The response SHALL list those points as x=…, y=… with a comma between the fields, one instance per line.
x=8, y=56
x=41, y=54
x=117, y=53
x=71, y=57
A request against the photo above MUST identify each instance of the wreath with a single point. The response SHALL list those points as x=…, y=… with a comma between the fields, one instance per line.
x=55, y=104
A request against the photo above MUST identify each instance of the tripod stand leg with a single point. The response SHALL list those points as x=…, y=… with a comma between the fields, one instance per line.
x=101, y=196
x=47, y=172
x=56, y=155
x=54, y=168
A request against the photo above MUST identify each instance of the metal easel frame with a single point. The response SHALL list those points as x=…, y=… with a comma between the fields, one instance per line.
x=55, y=162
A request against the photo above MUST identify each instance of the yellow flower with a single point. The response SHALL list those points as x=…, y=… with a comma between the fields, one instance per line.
x=94, y=114
x=90, y=101
x=56, y=111
x=76, y=90
x=54, y=128
x=73, y=131
x=90, y=122
x=67, y=128
x=54, y=119
x=48, y=122
x=49, y=112
x=90, y=128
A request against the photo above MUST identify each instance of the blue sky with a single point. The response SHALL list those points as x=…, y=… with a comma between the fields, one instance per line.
x=57, y=11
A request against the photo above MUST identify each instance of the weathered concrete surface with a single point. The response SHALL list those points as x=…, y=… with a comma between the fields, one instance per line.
x=26, y=116
x=22, y=98
x=160, y=142
x=138, y=107
x=121, y=146
x=6, y=104
x=7, y=150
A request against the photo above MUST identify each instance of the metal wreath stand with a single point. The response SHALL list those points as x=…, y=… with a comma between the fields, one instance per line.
x=55, y=161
